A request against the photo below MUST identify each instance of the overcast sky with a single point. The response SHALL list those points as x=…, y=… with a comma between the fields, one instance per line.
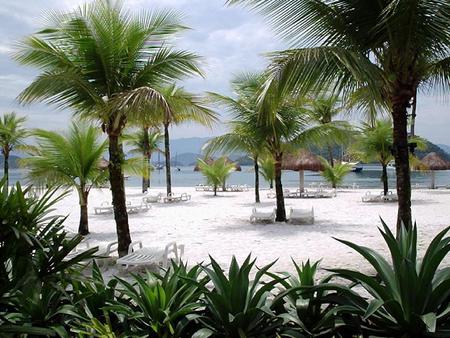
x=231, y=40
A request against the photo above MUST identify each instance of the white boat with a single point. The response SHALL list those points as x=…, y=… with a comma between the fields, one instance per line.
x=356, y=166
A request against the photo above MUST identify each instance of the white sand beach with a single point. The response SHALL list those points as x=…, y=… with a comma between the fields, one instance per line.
x=219, y=226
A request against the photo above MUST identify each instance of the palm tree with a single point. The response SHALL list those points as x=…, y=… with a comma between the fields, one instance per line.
x=287, y=126
x=181, y=107
x=70, y=160
x=335, y=174
x=145, y=142
x=216, y=172
x=243, y=135
x=375, y=143
x=267, y=169
x=380, y=45
x=106, y=63
x=323, y=109
x=12, y=135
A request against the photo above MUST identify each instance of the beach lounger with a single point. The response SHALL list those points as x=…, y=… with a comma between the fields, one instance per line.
x=301, y=216
x=104, y=209
x=390, y=197
x=151, y=256
x=171, y=198
x=137, y=208
x=152, y=198
x=271, y=194
x=259, y=215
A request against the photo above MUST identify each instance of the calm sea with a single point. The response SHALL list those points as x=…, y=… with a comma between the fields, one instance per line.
x=186, y=177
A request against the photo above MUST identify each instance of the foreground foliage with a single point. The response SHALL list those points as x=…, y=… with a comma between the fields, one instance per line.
x=43, y=293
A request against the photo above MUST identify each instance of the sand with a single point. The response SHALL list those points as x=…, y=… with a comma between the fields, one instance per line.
x=219, y=226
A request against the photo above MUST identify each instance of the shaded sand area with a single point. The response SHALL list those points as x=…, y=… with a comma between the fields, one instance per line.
x=220, y=226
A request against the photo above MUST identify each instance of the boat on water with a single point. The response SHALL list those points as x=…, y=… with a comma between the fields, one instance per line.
x=356, y=167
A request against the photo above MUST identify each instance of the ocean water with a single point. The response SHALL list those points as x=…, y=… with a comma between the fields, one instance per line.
x=186, y=177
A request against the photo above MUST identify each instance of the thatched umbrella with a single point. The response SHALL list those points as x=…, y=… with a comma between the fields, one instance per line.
x=103, y=164
x=434, y=162
x=301, y=161
x=237, y=166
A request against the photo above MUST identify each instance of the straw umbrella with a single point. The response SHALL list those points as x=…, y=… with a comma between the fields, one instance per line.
x=301, y=161
x=434, y=162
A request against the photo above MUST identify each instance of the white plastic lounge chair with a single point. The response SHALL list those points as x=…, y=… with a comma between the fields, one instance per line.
x=259, y=215
x=104, y=209
x=152, y=198
x=151, y=256
x=271, y=194
x=137, y=208
x=301, y=216
x=390, y=197
x=176, y=198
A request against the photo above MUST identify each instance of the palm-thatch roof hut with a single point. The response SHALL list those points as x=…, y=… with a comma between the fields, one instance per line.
x=434, y=162
x=237, y=166
x=103, y=164
x=301, y=161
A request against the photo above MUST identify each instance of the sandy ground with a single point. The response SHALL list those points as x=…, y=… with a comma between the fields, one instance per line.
x=219, y=226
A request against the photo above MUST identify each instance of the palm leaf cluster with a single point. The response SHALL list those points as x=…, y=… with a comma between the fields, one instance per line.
x=216, y=172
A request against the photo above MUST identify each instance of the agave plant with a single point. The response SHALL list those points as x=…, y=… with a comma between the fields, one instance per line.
x=408, y=298
x=162, y=305
x=307, y=307
x=238, y=306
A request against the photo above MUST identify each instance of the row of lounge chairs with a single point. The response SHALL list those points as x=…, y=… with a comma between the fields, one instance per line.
x=106, y=208
x=296, y=216
x=228, y=188
x=307, y=193
x=389, y=197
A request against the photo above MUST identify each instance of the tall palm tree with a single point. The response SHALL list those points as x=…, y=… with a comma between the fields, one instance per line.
x=244, y=132
x=380, y=45
x=286, y=126
x=69, y=160
x=323, y=109
x=181, y=107
x=12, y=135
x=106, y=63
x=145, y=142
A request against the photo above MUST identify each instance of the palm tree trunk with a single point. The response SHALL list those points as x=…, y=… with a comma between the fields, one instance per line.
x=167, y=154
x=281, y=211
x=257, y=199
x=83, y=228
x=271, y=184
x=146, y=150
x=6, y=166
x=384, y=178
x=215, y=189
x=149, y=168
x=401, y=155
x=413, y=114
x=330, y=156
x=118, y=193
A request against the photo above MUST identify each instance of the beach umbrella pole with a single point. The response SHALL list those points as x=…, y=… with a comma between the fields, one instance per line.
x=433, y=180
x=302, y=180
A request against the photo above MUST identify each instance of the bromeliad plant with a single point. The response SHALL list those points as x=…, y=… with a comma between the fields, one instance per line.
x=162, y=305
x=238, y=306
x=410, y=297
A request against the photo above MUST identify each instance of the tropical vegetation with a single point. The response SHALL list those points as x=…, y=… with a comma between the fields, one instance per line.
x=107, y=63
x=43, y=293
x=385, y=47
x=335, y=174
x=216, y=172
x=12, y=135
x=70, y=160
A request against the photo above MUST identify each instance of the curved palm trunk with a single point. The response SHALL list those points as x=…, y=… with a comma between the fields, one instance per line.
x=167, y=155
x=257, y=198
x=6, y=166
x=83, y=227
x=271, y=184
x=401, y=155
x=215, y=189
x=384, y=179
x=281, y=211
x=146, y=153
x=118, y=193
